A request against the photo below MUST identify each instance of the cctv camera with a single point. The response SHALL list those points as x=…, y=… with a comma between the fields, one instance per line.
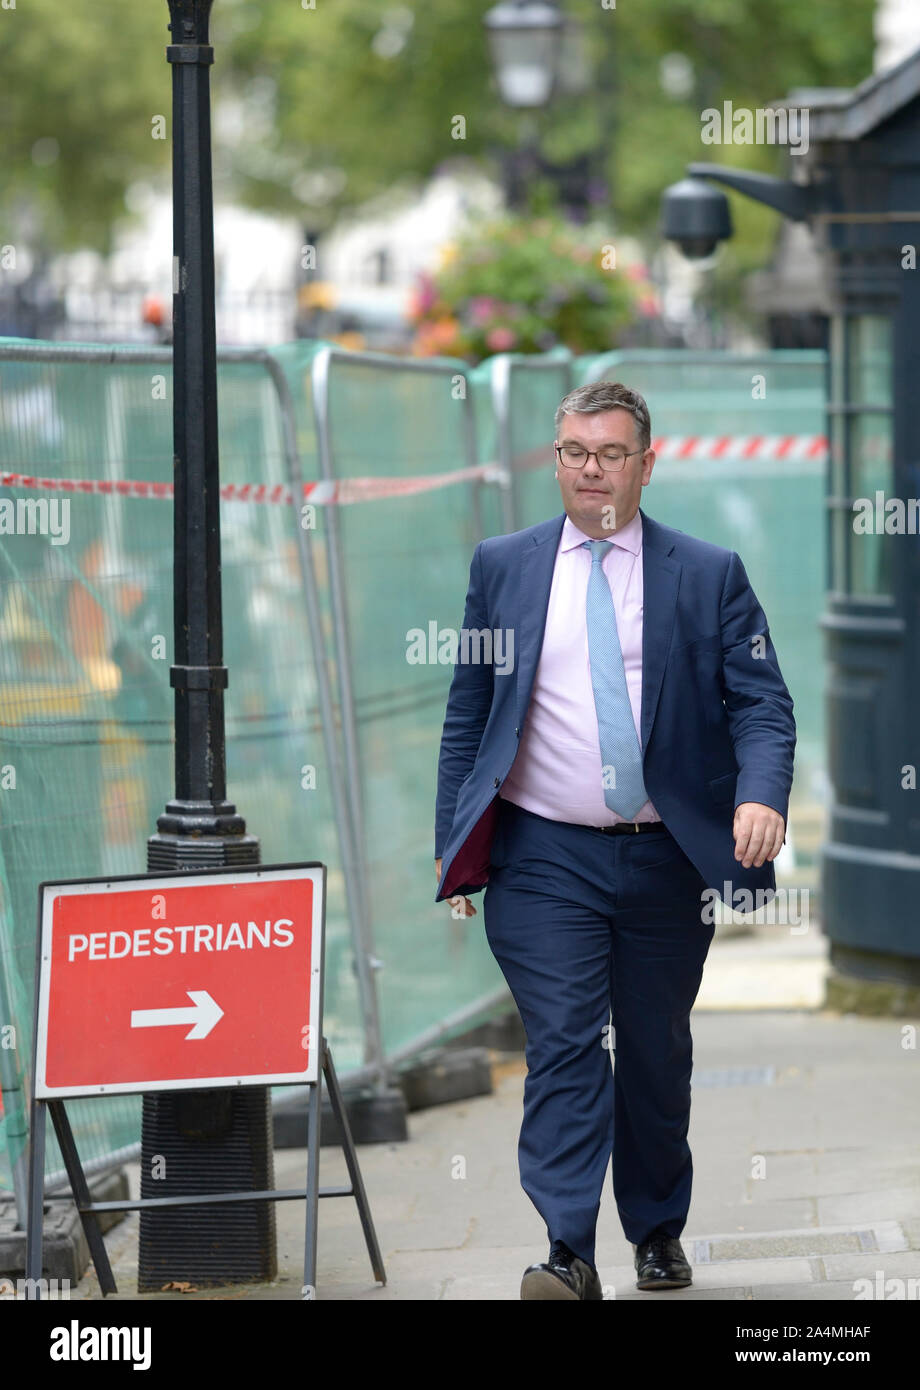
x=696, y=216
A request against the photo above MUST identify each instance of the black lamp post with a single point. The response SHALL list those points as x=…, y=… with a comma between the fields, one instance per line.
x=205, y=1141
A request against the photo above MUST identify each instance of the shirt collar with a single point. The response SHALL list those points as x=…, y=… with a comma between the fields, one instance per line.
x=628, y=536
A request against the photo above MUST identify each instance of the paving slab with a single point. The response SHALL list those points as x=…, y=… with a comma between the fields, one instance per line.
x=823, y=1104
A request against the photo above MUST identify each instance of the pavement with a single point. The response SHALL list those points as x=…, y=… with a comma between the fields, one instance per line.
x=805, y=1132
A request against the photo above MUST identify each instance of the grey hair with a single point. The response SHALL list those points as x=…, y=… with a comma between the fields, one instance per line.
x=607, y=395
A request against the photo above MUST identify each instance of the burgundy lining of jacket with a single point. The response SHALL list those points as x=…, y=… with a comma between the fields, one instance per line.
x=470, y=865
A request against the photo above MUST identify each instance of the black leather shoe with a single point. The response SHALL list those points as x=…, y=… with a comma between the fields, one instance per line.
x=661, y=1263
x=563, y=1276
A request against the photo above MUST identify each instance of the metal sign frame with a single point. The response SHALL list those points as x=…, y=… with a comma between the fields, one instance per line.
x=45, y=1099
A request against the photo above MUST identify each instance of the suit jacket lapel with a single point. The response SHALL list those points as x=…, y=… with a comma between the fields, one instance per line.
x=537, y=564
x=660, y=582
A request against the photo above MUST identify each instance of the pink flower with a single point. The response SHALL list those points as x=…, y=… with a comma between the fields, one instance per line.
x=636, y=272
x=424, y=296
x=501, y=339
x=482, y=308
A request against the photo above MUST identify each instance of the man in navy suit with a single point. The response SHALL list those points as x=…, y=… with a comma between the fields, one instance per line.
x=628, y=760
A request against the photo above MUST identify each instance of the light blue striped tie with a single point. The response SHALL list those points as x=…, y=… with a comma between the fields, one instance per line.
x=620, y=748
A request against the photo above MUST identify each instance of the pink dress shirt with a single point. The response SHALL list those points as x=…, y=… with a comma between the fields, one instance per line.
x=557, y=770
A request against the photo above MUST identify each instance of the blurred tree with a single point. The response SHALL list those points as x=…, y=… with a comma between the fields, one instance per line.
x=82, y=82
x=365, y=95
x=318, y=108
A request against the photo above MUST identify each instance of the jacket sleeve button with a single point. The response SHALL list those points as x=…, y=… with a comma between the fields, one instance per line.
x=498, y=781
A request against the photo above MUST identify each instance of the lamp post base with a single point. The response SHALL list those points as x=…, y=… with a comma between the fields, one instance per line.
x=205, y=1141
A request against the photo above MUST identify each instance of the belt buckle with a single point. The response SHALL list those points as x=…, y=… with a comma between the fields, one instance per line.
x=637, y=827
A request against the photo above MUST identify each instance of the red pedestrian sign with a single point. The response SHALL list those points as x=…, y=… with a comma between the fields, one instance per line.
x=179, y=981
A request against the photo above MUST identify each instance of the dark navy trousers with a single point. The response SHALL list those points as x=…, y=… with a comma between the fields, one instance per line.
x=585, y=926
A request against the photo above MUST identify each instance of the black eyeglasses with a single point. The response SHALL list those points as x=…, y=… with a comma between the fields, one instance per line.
x=610, y=460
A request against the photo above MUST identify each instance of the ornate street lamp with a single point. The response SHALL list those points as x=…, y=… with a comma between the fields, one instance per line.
x=525, y=37
x=538, y=54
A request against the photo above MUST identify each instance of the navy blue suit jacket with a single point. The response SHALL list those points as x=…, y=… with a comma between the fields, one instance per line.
x=716, y=719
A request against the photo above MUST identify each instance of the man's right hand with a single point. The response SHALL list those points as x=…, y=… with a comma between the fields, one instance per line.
x=459, y=905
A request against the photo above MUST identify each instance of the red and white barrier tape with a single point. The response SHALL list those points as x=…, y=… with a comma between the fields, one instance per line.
x=760, y=447
x=344, y=491
x=322, y=493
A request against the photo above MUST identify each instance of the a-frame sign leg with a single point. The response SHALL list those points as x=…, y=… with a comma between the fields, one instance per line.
x=36, y=1215
x=351, y=1159
x=313, y=1141
x=81, y=1195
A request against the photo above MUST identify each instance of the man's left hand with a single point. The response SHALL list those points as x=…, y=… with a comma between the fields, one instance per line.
x=759, y=833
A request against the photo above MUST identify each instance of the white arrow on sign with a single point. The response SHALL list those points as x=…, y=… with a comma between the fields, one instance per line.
x=204, y=1015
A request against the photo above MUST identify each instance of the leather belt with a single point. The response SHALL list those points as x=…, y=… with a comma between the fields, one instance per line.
x=630, y=827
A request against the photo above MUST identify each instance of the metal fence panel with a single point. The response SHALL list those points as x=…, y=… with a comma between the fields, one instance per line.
x=766, y=504
x=401, y=565
x=85, y=646
x=333, y=760
x=728, y=488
